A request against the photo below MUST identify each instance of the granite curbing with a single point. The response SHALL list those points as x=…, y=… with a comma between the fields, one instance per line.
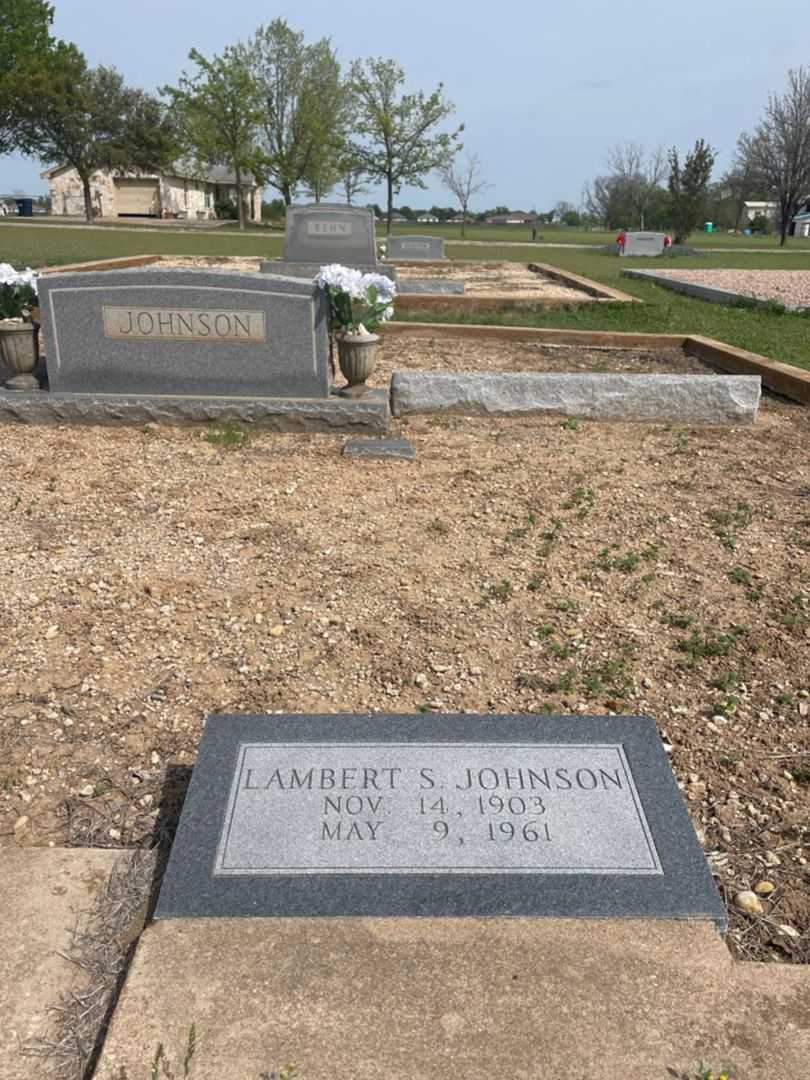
x=710, y=293
x=337, y=415
x=709, y=399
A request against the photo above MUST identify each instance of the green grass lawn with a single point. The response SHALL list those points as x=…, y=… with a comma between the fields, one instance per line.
x=553, y=234
x=38, y=245
x=781, y=336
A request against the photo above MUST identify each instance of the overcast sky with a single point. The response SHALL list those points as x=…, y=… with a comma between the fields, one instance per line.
x=543, y=89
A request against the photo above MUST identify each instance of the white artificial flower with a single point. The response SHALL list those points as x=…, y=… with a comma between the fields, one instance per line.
x=386, y=288
x=10, y=276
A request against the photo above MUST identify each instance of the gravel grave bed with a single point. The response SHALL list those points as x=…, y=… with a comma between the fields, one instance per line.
x=784, y=286
x=460, y=354
x=518, y=565
x=496, y=279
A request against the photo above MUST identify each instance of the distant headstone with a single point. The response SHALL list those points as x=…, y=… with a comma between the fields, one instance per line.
x=435, y=815
x=329, y=233
x=176, y=331
x=416, y=248
x=643, y=243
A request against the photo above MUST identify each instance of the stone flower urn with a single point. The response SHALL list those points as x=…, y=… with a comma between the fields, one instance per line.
x=357, y=357
x=19, y=351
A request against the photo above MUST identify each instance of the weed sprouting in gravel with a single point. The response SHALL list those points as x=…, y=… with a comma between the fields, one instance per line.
x=678, y=620
x=227, y=433
x=500, y=592
x=706, y=644
x=727, y=523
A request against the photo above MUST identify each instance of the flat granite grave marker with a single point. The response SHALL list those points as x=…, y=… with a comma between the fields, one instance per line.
x=177, y=331
x=414, y=248
x=643, y=243
x=435, y=815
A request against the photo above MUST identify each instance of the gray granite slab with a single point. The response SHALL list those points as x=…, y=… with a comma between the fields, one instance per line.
x=699, y=399
x=435, y=286
x=380, y=448
x=330, y=233
x=368, y=415
x=177, y=331
x=414, y=248
x=643, y=243
x=311, y=270
x=435, y=815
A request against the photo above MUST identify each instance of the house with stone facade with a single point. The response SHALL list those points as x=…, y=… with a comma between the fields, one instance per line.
x=181, y=192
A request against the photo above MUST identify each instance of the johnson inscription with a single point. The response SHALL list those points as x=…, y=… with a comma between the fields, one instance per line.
x=184, y=324
x=411, y=808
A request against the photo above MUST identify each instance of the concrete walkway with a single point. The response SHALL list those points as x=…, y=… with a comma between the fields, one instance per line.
x=442, y=999
x=41, y=889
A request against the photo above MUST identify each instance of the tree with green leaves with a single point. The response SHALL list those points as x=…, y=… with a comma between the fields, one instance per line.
x=217, y=111
x=779, y=150
x=397, y=137
x=689, y=187
x=24, y=35
x=87, y=117
x=303, y=109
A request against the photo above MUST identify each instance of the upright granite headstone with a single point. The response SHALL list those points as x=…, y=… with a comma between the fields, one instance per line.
x=643, y=243
x=435, y=815
x=414, y=248
x=330, y=233
x=176, y=331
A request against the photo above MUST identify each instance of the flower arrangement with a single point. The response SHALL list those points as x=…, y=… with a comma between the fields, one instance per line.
x=358, y=302
x=18, y=292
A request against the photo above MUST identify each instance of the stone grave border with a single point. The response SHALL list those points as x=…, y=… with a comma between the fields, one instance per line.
x=710, y=293
x=782, y=379
x=463, y=303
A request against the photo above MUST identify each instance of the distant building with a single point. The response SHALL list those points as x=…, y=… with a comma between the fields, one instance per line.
x=181, y=192
x=801, y=222
x=514, y=217
x=758, y=209
x=427, y=219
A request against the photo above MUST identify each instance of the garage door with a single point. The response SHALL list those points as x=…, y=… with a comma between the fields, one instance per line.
x=136, y=197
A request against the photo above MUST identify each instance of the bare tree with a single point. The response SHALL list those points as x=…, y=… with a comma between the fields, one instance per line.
x=640, y=173
x=464, y=181
x=741, y=180
x=779, y=149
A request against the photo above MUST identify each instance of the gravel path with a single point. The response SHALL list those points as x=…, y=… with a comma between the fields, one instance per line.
x=785, y=286
x=151, y=575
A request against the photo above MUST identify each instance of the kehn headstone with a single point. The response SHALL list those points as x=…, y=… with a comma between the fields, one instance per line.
x=326, y=233
x=414, y=248
x=435, y=815
x=643, y=243
x=178, y=345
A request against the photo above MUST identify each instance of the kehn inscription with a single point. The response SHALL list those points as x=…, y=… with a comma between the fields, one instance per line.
x=172, y=324
x=337, y=229
x=438, y=808
x=435, y=815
